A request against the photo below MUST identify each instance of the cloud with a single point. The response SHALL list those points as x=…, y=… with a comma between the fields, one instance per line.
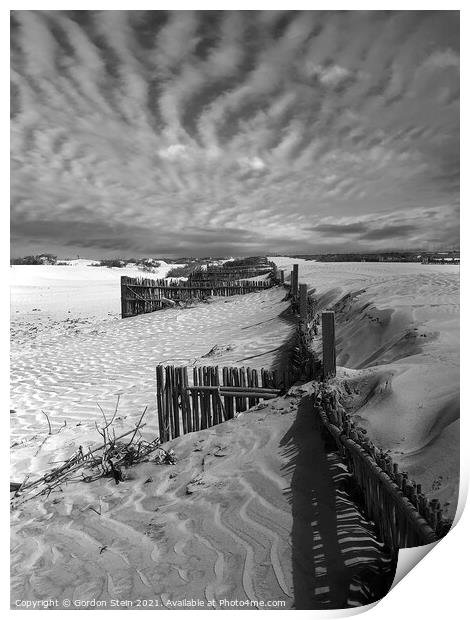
x=173, y=152
x=340, y=229
x=443, y=59
x=414, y=228
x=333, y=76
x=398, y=231
x=137, y=129
x=252, y=163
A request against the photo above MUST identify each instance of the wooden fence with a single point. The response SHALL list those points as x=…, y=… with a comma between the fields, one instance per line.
x=403, y=515
x=328, y=344
x=141, y=295
x=304, y=308
x=304, y=363
x=211, y=397
x=232, y=273
x=207, y=396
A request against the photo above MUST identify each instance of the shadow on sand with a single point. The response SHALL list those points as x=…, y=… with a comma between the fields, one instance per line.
x=321, y=577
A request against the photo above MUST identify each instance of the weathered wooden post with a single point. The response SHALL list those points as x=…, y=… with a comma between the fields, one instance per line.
x=162, y=412
x=303, y=301
x=123, y=297
x=295, y=280
x=281, y=276
x=329, y=348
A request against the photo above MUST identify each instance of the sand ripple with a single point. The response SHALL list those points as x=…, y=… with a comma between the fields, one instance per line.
x=222, y=524
x=67, y=375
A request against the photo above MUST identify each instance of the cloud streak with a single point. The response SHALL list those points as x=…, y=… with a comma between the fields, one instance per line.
x=223, y=131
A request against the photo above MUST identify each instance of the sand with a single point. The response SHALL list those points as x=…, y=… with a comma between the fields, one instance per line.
x=76, y=289
x=65, y=368
x=256, y=509
x=398, y=346
x=236, y=522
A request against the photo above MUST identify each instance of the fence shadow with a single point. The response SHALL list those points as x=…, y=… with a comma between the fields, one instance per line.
x=312, y=496
x=282, y=358
x=322, y=568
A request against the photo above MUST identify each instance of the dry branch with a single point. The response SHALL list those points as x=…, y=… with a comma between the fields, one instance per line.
x=106, y=459
x=72, y=463
x=48, y=421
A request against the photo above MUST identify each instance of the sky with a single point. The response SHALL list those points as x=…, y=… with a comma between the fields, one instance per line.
x=213, y=133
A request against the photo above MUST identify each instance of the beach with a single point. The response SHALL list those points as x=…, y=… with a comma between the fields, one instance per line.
x=68, y=364
x=223, y=523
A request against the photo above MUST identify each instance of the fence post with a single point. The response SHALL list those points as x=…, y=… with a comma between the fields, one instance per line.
x=281, y=276
x=303, y=301
x=295, y=281
x=123, y=297
x=162, y=408
x=329, y=349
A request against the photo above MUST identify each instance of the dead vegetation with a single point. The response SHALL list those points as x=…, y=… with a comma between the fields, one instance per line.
x=107, y=460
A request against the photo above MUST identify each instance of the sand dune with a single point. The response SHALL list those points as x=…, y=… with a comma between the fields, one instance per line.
x=399, y=323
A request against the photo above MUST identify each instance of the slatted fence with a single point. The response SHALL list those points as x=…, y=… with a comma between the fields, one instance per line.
x=192, y=401
x=142, y=295
x=232, y=273
x=304, y=363
x=403, y=515
x=304, y=307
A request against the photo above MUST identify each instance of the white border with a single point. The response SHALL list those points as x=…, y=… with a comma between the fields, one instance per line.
x=438, y=587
